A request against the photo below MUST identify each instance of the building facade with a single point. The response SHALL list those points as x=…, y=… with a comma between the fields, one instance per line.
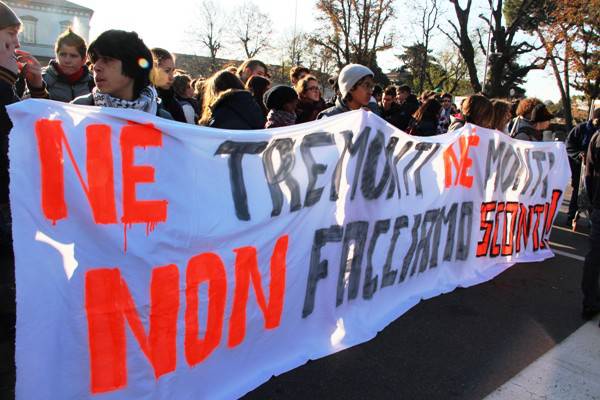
x=44, y=20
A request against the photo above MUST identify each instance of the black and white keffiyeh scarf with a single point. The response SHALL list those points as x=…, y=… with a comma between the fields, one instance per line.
x=147, y=101
x=279, y=118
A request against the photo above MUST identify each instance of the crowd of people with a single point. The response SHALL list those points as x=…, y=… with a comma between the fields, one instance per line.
x=118, y=70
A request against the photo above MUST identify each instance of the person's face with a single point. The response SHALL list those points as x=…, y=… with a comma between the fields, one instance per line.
x=401, y=96
x=363, y=91
x=596, y=122
x=9, y=40
x=387, y=101
x=69, y=59
x=166, y=68
x=446, y=103
x=189, y=92
x=312, y=91
x=260, y=71
x=109, y=78
x=290, y=106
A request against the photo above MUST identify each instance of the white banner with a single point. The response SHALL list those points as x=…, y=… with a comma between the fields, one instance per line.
x=161, y=260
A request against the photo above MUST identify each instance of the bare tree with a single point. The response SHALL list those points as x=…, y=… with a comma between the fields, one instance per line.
x=504, y=50
x=462, y=41
x=454, y=69
x=251, y=29
x=293, y=47
x=428, y=11
x=212, y=30
x=352, y=30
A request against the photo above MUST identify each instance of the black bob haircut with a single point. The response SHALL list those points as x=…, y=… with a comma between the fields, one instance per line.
x=127, y=47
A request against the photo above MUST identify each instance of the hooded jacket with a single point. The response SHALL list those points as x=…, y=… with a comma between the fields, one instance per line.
x=60, y=89
x=236, y=109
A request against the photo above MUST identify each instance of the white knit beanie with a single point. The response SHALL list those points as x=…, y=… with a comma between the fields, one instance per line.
x=351, y=74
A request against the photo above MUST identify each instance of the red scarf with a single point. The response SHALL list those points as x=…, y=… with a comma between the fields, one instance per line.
x=73, y=78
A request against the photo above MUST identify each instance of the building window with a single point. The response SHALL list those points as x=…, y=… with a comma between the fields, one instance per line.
x=64, y=25
x=28, y=34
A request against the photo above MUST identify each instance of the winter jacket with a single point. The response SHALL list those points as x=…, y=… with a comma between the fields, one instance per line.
x=190, y=109
x=308, y=110
x=170, y=103
x=340, y=107
x=60, y=89
x=592, y=172
x=393, y=115
x=522, y=129
x=407, y=109
x=424, y=128
x=236, y=109
x=8, y=96
x=578, y=139
x=88, y=100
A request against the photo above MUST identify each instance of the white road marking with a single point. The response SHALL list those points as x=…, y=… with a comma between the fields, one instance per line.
x=565, y=254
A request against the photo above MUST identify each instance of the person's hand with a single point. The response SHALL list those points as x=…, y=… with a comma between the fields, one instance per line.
x=31, y=67
x=8, y=58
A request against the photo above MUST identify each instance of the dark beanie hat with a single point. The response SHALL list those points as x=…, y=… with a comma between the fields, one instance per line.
x=540, y=114
x=277, y=96
x=7, y=16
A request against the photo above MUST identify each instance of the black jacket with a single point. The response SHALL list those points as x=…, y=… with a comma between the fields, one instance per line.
x=307, y=110
x=592, y=172
x=407, y=109
x=236, y=109
x=8, y=96
x=423, y=128
x=393, y=115
x=170, y=103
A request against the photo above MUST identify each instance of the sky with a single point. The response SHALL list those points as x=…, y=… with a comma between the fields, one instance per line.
x=170, y=23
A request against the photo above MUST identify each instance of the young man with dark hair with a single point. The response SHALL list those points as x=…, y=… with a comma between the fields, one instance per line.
x=591, y=267
x=252, y=67
x=297, y=73
x=121, y=64
x=390, y=110
x=408, y=103
x=67, y=76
